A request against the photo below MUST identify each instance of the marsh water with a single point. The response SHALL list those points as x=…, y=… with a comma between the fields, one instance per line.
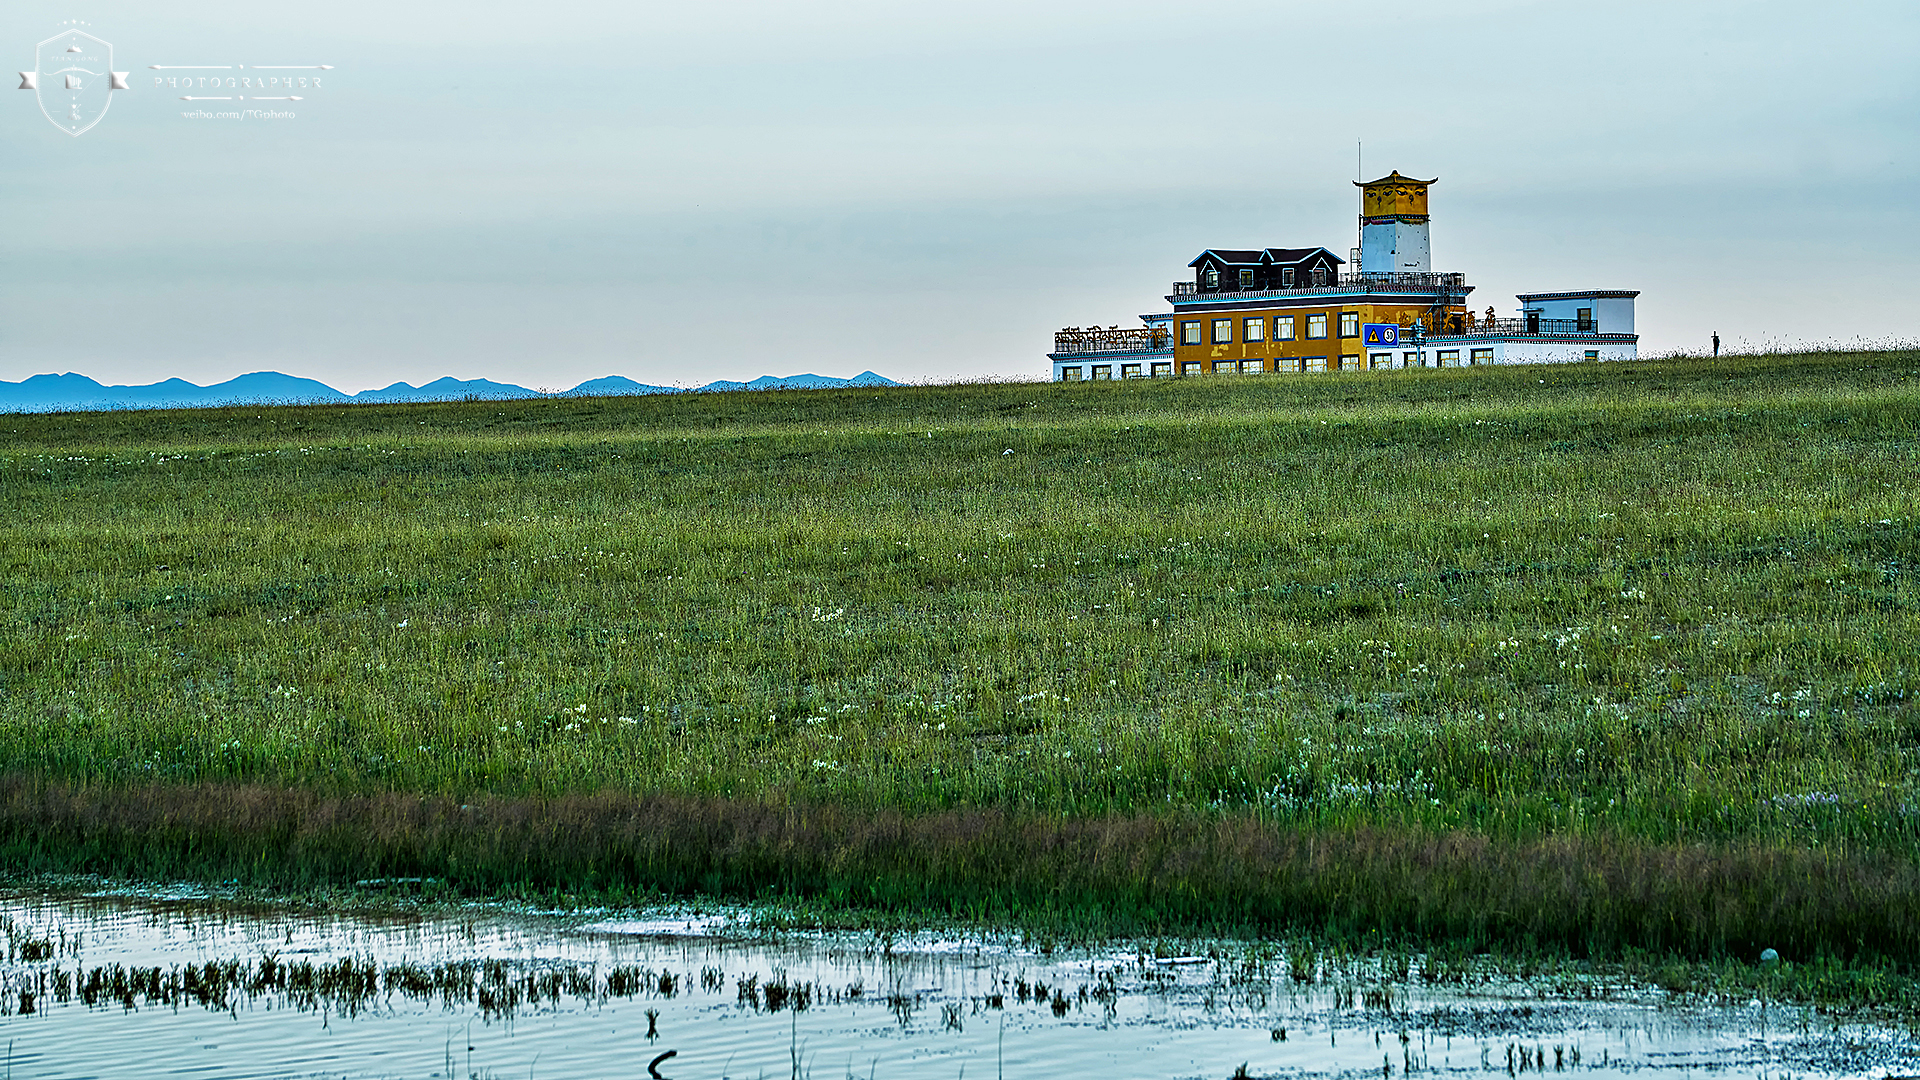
x=98, y=984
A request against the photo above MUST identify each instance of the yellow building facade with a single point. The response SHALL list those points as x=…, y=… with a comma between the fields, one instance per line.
x=1296, y=334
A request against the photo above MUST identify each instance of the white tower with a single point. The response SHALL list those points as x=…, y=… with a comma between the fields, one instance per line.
x=1393, y=226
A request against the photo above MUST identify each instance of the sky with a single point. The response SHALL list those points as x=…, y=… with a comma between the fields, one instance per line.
x=547, y=193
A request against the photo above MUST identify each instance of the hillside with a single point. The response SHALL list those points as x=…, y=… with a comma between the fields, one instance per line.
x=1598, y=656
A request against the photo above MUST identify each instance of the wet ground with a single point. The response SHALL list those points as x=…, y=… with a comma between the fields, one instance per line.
x=117, y=986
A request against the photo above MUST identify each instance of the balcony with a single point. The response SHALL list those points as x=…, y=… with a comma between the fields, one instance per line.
x=1342, y=283
x=1484, y=327
x=1077, y=341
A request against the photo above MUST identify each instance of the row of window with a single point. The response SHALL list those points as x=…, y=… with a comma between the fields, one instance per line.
x=1211, y=277
x=1164, y=369
x=1380, y=361
x=1255, y=329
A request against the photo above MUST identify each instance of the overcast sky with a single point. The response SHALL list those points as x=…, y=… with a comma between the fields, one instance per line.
x=547, y=193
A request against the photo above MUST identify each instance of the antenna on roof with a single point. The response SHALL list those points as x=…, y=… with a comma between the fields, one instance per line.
x=1360, y=196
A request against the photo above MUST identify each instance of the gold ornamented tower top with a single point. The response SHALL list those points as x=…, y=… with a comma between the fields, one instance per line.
x=1394, y=196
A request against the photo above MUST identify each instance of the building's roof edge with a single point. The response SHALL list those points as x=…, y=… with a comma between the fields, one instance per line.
x=1111, y=354
x=1522, y=335
x=1231, y=256
x=1185, y=303
x=1265, y=256
x=1394, y=177
x=1570, y=294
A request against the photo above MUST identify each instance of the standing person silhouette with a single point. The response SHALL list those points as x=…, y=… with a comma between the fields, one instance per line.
x=1716, y=343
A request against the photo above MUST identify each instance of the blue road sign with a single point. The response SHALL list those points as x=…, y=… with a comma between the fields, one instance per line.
x=1381, y=334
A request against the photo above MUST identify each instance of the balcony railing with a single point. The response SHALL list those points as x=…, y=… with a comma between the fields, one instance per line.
x=1341, y=283
x=1093, y=339
x=1480, y=326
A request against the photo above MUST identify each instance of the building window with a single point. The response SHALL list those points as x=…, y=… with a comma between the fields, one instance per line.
x=1102, y=372
x=1380, y=361
x=1313, y=363
x=1583, y=320
x=1255, y=330
x=1349, y=324
x=1316, y=327
x=1246, y=279
x=1223, y=331
x=1319, y=276
x=1190, y=332
x=1414, y=359
x=1350, y=362
x=1447, y=358
x=1286, y=277
x=1069, y=374
x=1129, y=371
x=1162, y=369
x=1189, y=367
x=1252, y=367
x=1593, y=354
x=1211, y=276
x=1283, y=328
x=1481, y=356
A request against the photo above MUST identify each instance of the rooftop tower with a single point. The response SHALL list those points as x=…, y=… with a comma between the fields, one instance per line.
x=1393, y=225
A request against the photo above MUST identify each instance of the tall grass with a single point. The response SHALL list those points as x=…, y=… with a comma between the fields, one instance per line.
x=1668, y=603
x=1139, y=874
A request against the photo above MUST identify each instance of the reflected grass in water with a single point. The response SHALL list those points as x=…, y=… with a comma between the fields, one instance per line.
x=1157, y=1010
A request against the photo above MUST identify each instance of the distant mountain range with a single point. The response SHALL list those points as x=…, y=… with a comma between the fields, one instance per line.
x=56, y=393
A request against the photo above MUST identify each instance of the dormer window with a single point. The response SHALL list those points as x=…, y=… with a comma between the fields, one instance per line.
x=1320, y=275
x=1212, y=275
x=1246, y=279
x=1286, y=277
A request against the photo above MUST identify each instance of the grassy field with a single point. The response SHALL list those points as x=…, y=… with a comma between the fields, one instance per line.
x=1099, y=645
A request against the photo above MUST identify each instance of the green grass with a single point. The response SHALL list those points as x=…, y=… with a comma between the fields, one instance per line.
x=1659, y=605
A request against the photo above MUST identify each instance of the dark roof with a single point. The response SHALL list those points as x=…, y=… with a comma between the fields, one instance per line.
x=1290, y=256
x=1263, y=256
x=1230, y=256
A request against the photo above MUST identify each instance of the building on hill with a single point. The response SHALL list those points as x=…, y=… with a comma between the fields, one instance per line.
x=1251, y=311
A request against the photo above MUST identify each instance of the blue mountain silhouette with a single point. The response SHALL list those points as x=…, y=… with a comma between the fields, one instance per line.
x=68, y=392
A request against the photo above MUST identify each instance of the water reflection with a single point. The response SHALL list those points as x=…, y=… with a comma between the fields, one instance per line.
x=116, y=986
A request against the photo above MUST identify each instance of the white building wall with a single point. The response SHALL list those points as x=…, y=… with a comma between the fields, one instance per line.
x=1562, y=350
x=1614, y=315
x=1395, y=247
x=1091, y=367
